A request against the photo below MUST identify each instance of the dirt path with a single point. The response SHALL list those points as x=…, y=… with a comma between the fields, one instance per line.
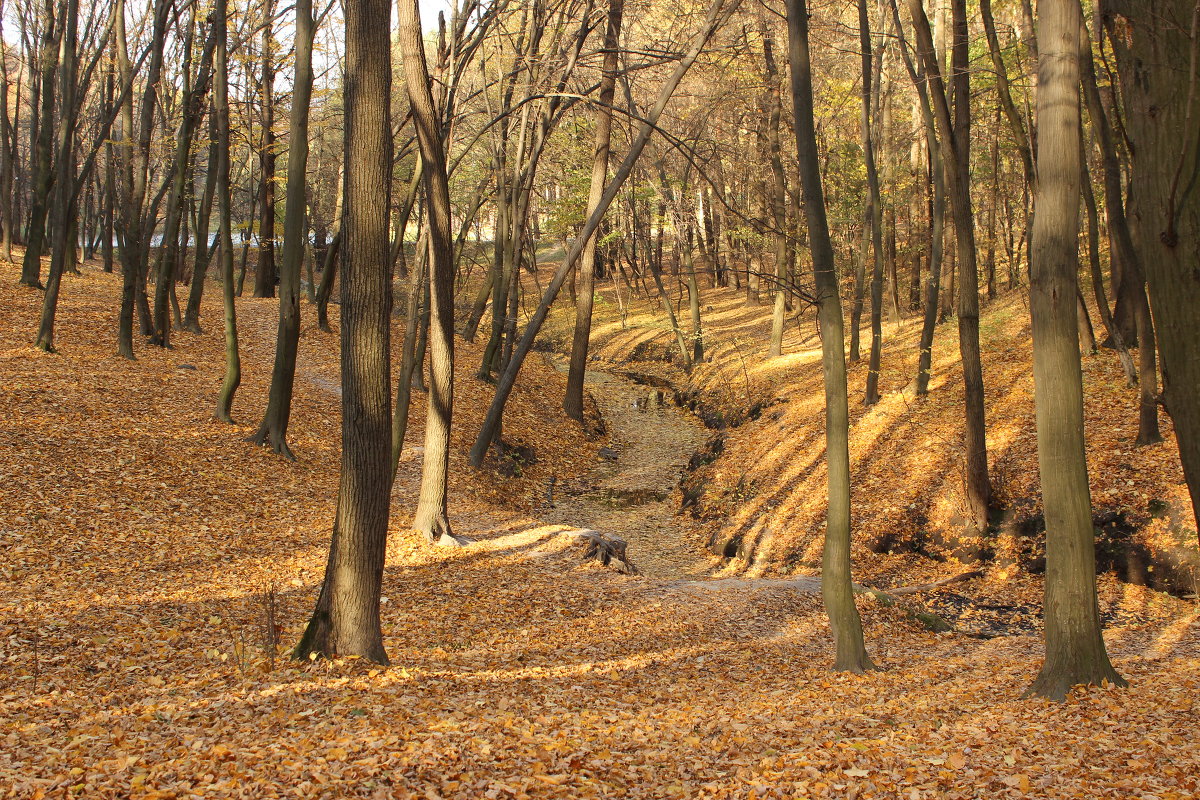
x=631, y=494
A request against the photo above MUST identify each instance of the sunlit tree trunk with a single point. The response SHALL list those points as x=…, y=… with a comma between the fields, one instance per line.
x=837, y=588
x=432, y=514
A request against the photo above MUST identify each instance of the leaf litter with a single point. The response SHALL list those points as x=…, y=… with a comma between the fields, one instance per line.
x=145, y=541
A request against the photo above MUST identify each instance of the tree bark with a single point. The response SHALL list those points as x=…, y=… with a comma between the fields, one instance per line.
x=837, y=587
x=233, y=361
x=1075, y=651
x=273, y=430
x=432, y=515
x=874, y=204
x=1156, y=58
x=346, y=620
x=955, y=142
x=264, y=273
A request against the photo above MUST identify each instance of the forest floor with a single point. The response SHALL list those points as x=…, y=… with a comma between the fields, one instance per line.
x=158, y=567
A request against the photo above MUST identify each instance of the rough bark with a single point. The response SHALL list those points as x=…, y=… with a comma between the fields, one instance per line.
x=346, y=621
x=1075, y=651
x=1156, y=57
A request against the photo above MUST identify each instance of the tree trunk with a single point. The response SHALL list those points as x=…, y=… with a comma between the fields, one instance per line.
x=432, y=517
x=1074, y=646
x=273, y=429
x=204, y=243
x=64, y=182
x=837, y=587
x=936, y=208
x=264, y=274
x=874, y=204
x=8, y=158
x=573, y=400
x=346, y=620
x=41, y=155
x=1156, y=60
x=1127, y=261
x=955, y=141
x=233, y=361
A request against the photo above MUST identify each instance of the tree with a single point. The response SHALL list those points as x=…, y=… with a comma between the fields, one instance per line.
x=431, y=517
x=1156, y=61
x=955, y=138
x=233, y=361
x=573, y=401
x=273, y=429
x=346, y=618
x=837, y=589
x=1074, y=646
x=264, y=274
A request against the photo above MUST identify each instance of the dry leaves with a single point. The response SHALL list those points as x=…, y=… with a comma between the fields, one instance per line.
x=140, y=536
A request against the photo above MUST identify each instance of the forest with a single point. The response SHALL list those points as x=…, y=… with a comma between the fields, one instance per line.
x=599, y=398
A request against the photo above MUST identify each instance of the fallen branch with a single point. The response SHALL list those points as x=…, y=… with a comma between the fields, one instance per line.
x=925, y=587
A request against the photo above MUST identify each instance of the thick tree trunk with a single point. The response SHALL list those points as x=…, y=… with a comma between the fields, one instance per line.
x=346, y=620
x=1156, y=57
x=837, y=587
x=273, y=430
x=573, y=400
x=1074, y=646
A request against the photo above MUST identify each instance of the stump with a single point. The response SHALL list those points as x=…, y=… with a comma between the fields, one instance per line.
x=608, y=550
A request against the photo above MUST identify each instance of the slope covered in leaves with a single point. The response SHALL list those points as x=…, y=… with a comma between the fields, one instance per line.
x=135, y=661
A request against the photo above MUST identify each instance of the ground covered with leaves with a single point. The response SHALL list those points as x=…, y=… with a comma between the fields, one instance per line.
x=158, y=567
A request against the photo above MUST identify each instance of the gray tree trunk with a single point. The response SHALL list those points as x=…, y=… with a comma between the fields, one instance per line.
x=837, y=588
x=1075, y=651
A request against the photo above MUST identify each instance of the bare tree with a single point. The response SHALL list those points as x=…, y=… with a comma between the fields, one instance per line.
x=1074, y=646
x=346, y=618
